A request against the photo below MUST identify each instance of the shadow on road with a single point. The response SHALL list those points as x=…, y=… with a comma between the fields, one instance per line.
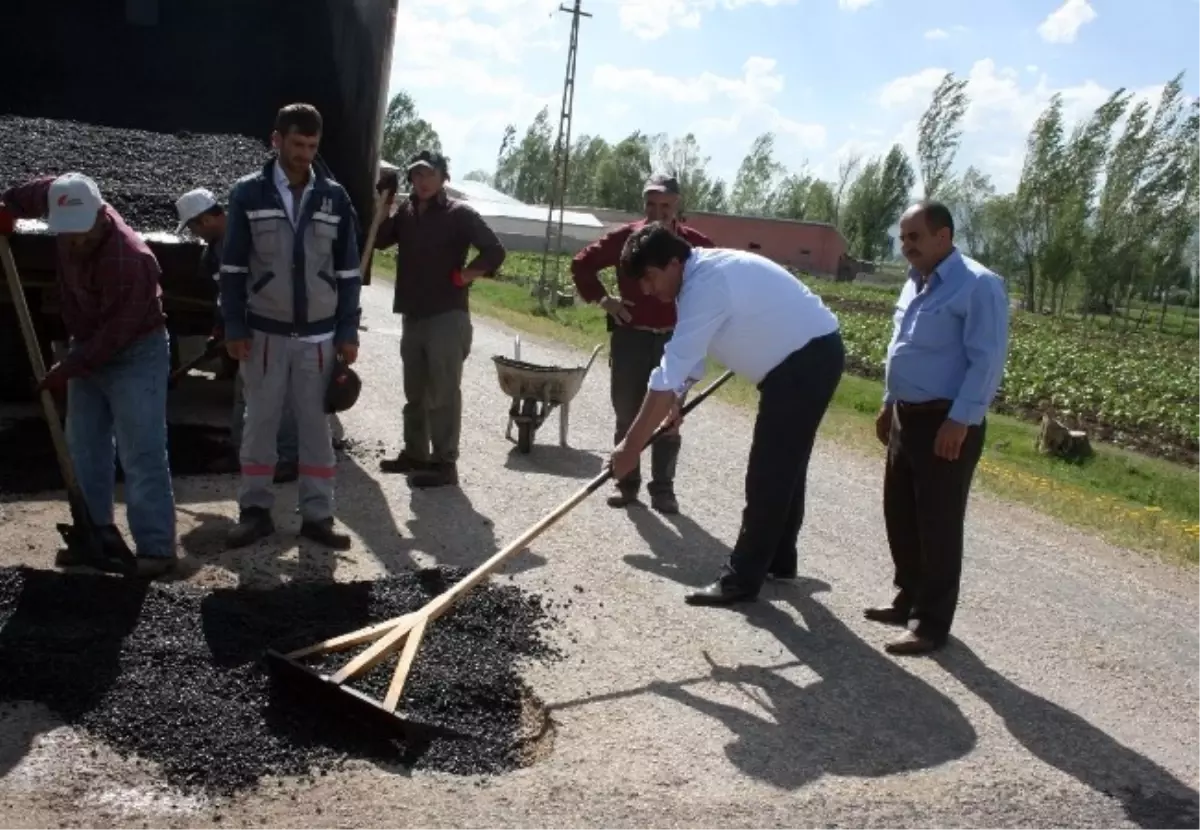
x=1151, y=796
x=554, y=460
x=61, y=636
x=363, y=508
x=456, y=534
x=865, y=717
x=680, y=549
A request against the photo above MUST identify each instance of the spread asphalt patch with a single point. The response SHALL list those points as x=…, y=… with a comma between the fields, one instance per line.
x=172, y=674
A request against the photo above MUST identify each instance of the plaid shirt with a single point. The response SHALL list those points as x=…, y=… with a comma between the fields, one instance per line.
x=109, y=299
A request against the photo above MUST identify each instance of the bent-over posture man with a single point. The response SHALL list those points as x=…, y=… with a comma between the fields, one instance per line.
x=640, y=326
x=944, y=367
x=433, y=233
x=758, y=320
x=119, y=360
x=290, y=286
x=201, y=213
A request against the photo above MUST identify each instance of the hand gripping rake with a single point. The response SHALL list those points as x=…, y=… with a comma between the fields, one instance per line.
x=404, y=634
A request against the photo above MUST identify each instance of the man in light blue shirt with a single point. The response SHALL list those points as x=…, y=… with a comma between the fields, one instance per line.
x=944, y=366
x=755, y=318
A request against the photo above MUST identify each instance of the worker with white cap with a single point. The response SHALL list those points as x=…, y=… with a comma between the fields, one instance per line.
x=116, y=370
x=201, y=213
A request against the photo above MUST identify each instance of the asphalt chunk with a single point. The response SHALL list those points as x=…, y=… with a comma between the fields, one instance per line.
x=172, y=673
x=30, y=465
x=139, y=173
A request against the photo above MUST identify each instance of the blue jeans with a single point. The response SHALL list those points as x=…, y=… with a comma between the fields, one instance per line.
x=287, y=443
x=122, y=408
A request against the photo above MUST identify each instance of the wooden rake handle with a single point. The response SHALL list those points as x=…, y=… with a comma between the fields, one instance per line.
x=443, y=602
x=410, y=628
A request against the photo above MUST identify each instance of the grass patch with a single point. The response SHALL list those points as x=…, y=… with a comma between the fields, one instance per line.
x=1130, y=500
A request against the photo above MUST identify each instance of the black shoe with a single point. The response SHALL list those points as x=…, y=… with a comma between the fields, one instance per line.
x=664, y=502
x=286, y=472
x=623, y=496
x=435, y=475
x=720, y=593
x=254, y=524
x=403, y=464
x=782, y=573
x=151, y=567
x=888, y=615
x=910, y=643
x=114, y=552
x=322, y=533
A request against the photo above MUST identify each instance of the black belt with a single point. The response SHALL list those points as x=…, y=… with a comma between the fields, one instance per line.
x=936, y=405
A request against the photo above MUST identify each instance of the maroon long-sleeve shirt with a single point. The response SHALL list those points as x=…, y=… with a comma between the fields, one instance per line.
x=605, y=252
x=111, y=297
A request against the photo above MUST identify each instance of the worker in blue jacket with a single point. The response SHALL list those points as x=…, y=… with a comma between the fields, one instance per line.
x=290, y=286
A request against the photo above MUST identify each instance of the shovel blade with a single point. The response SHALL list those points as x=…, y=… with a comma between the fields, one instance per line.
x=330, y=700
x=84, y=547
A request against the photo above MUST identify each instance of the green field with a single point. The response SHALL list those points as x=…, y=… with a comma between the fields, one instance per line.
x=1142, y=502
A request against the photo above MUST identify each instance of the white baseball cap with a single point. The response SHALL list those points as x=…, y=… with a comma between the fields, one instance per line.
x=192, y=204
x=74, y=202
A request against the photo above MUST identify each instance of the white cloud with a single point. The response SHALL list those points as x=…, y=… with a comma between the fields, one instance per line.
x=937, y=34
x=1063, y=24
x=652, y=19
x=854, y=5
x=909, y=89
x=750, y=96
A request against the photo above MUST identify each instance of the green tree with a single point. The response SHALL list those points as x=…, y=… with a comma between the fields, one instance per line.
x=754, y=188
x=875, y=201
x=404, y=133
x=938, y=135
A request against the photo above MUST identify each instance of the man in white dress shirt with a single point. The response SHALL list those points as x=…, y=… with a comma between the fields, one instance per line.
x=756, y=319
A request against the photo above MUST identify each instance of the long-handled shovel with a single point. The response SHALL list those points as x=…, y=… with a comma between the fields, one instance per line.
x=404, y=634
x=84, y=542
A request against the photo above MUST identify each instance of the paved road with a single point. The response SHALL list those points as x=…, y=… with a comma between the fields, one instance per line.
x=1069, y=698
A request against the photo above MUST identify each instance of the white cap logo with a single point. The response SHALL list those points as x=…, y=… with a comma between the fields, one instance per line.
x=74, y=202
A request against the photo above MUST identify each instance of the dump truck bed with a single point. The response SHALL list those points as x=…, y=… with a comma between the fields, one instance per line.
x=185, y=77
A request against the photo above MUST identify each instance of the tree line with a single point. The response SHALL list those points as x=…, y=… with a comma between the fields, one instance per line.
x=1099, y=217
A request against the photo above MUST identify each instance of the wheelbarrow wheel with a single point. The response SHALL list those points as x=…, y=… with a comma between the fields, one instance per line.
x=526, y=425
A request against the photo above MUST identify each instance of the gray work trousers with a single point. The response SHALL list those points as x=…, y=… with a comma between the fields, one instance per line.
x=634, y=354
x=287, y=448
x=433, y=351
x=282, y=371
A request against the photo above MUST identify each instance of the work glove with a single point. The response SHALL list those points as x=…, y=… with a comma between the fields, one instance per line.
x=8, y=221
x=213, y=344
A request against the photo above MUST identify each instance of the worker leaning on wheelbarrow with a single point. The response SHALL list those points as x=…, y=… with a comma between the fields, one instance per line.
x=116, y=370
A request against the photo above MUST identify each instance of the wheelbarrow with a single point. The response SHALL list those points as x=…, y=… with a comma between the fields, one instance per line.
x=536, y=391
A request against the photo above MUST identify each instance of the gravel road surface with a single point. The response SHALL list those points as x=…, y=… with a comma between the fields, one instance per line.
x=1068, y=699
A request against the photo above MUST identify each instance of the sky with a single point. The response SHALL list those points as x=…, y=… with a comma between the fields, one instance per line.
x=830, y=78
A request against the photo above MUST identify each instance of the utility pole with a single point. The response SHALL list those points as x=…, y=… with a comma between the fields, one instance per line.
x=558, y=186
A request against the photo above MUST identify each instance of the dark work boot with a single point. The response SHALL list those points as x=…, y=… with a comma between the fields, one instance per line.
x=624, y=495
x=403, y=464
x=435, y=475
x=254, y=524
x=322, y=533
x=662, y=498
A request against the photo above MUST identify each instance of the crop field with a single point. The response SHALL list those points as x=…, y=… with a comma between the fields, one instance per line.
x=1135, y=389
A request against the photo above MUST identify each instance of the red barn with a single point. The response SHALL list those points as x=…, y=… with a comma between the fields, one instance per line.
x=814, y=247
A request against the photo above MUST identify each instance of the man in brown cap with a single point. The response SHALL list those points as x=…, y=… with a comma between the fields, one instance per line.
x=640, y=327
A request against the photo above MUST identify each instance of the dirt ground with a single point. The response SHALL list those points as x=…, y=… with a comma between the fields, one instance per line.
x=1068, y=698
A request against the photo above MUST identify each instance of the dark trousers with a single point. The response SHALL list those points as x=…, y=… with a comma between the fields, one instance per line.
x=924, y=508
x=793, y=399
x=634, y=355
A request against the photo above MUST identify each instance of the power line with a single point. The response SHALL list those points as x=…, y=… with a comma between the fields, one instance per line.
x=558, y=185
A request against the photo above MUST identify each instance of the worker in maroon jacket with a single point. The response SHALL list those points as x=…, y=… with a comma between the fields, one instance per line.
x=115, y=373
x=640, y=327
